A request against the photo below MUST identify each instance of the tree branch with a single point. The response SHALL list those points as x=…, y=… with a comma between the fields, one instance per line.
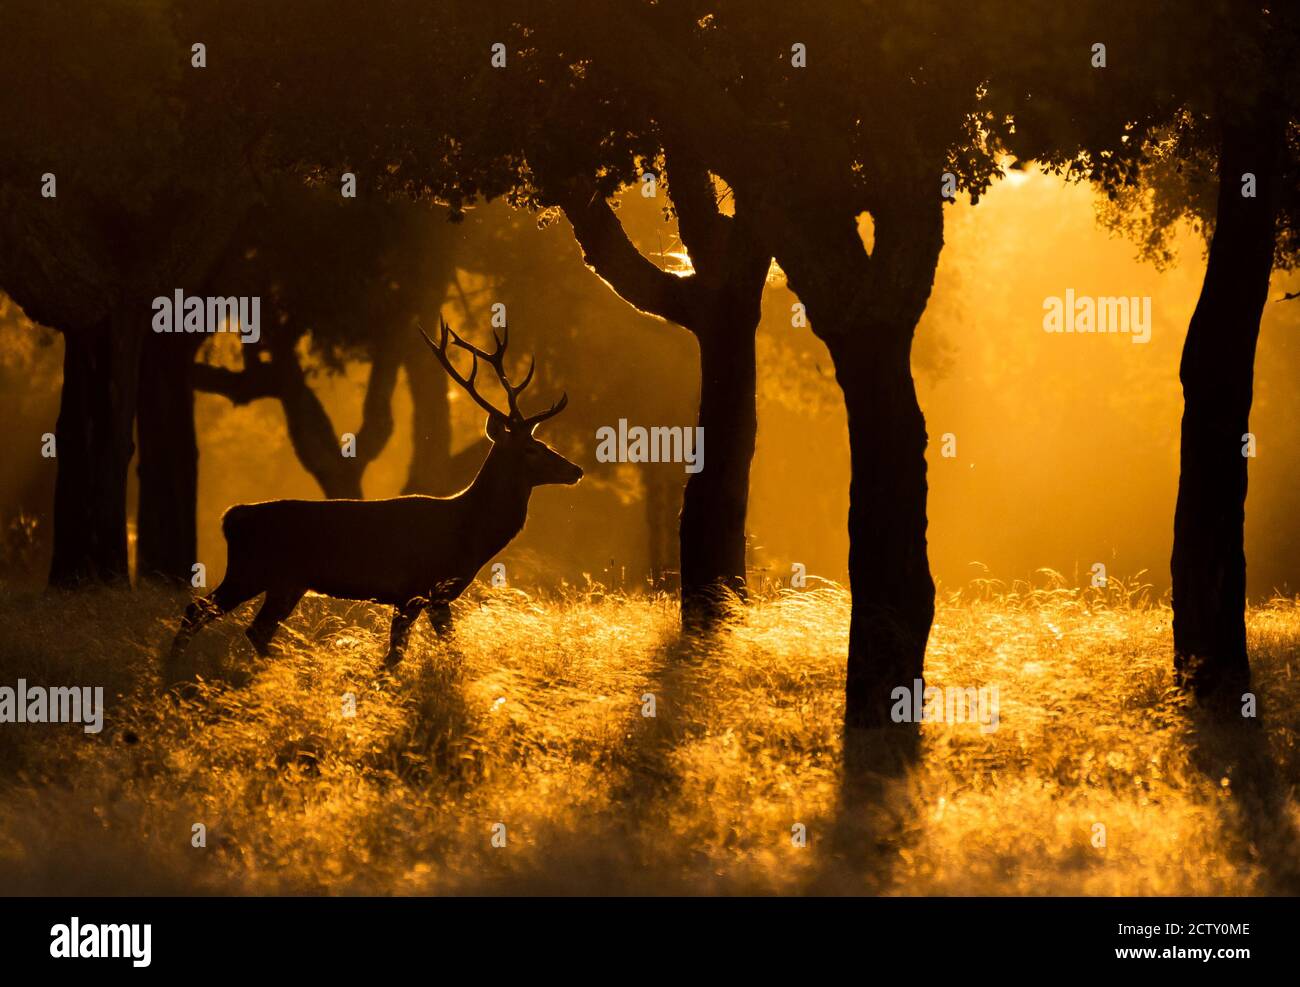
x=377, y=408
x=704, y=230
x=608, y=251
x=255, y=381
x=311, y=432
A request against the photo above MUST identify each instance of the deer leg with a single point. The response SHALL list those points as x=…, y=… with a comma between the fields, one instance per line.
x=439, y=615
x=203, y=611
x=275, y=608
x=403, y=618
x=198, y=615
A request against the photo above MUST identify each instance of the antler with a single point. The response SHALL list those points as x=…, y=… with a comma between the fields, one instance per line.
x=535, y=420
x=496, y=360
x=440, y=351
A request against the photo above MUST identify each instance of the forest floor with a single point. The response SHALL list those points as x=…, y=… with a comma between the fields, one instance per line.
x=529, y=729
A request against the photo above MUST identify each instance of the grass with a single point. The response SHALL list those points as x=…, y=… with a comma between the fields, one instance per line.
x=533, y=718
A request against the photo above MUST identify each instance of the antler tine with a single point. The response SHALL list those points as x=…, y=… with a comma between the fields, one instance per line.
x=528, y=377
x=469, y=347
x=514, y=390
x=534, y=420
x=496, y=360
x=467, y=383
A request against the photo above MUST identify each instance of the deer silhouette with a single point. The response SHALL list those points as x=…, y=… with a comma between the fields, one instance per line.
x=415, y=553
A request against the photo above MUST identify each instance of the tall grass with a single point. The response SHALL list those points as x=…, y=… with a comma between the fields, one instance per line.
x=532, y=717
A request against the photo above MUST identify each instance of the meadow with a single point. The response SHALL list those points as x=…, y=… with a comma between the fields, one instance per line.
x=314, y=772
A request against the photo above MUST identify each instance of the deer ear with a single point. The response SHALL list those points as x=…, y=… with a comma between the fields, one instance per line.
x=495, y=428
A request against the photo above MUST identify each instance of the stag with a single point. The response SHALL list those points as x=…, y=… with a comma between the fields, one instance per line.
x=414, y=553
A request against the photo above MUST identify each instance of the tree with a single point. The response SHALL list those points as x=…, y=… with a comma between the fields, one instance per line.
x=354, y=276
x=1208, y=565
x=1157, y=128
x=815, y=116
x=719, y=302
x=110, y=196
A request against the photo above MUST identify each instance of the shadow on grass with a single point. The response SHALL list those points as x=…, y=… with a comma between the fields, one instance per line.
x=1256, y=810
x=874, y=813
x=641, y=800
x=439, y=742
x=626, y=844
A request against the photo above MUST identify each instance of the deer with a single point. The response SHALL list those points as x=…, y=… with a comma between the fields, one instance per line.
x=414, y=553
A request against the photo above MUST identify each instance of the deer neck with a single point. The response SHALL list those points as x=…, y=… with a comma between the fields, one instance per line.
x=498, y=499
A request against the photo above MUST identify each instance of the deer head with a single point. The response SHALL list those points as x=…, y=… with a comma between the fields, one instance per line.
x=511, y=432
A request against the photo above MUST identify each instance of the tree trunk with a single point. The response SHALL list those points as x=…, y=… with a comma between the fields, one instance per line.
x=865, y=308
x=430, y=426
x=889, y=570
x=94, y=446
x=720, y=302
x=168, y=467
x=312, y=433
x=714, y=505
x=1208, y=565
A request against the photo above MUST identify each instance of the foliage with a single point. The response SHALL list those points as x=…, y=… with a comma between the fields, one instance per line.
x=1146, y=128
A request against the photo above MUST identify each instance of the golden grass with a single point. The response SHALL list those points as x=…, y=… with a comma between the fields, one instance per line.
x=532, y=718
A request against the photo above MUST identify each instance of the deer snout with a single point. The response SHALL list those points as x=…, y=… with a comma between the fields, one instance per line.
x=576, y=475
